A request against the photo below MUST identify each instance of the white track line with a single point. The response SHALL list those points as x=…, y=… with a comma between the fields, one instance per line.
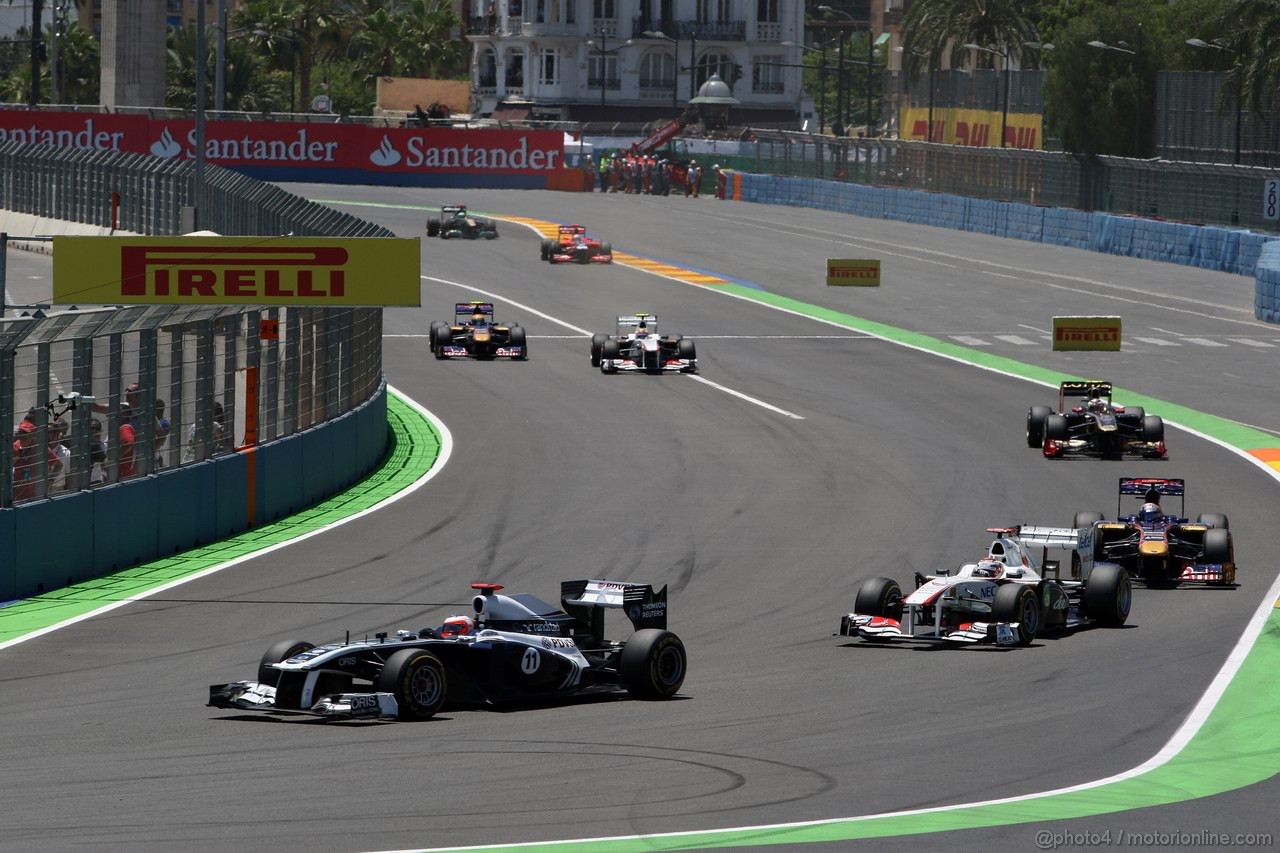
x=741, y=396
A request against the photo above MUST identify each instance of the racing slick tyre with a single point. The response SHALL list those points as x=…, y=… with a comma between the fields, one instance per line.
x=606, y=249
x=1137, y=412
x=416, y=678
x=520, y=339
x=1152, y=428
x=1213, y=519
x=282, y=650
x=1055, y=427
x=1016, y=602
x=1036, y=417
x=1217, y=546
x=1107, y=595
x=433, y=227
x=1086, y=518
x=879, y=597
x=435, y=325
x=546, y=248
x=597, y=346
x=609, y=351
x=653, y=664
x=686, y=349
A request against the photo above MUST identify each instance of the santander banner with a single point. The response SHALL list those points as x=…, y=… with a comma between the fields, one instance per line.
x=300, y=151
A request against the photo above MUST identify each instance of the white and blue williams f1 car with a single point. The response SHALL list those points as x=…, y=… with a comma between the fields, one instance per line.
x=513, y=648
x=1008, y=597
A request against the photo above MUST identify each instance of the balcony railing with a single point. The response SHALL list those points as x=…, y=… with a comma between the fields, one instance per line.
x=530, y=29
x=614, y=83
x=768, y=87
x=702, y=31
x=604, y=26
x=768, y=32
x=482, y=25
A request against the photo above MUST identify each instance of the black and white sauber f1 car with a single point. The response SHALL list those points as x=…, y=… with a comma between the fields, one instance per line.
x=1004, y=598
x=514, y=648
x=638, y=348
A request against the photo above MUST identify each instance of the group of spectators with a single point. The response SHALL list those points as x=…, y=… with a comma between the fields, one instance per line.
x=27, y=452
x=641, y=174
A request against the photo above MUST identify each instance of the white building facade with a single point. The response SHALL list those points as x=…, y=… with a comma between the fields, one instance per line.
x=633, y=60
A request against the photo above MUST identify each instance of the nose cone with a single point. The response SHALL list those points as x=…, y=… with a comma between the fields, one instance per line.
x=1153, y=548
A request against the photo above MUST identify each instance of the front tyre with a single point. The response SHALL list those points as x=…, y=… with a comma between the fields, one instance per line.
x=653, y=664
x=1036, y=417
x=520, y=339
x=281, y=651
x=597, y=348
x=1107, y=595
x=1152, y=428
x=417, y=680
x=546, y=248
x=686, y=349
x=879, y=597
x=1217, y=546
x=433, y=227
x=1018, y=603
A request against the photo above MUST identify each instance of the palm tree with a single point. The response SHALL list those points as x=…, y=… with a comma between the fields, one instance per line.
x=434, y=50
x=381, y=37
x=933, y=26
x=1252, y=28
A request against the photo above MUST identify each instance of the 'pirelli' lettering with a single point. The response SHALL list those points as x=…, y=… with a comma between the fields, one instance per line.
x=1087, y=334
x=268, y=274
x=853, y=272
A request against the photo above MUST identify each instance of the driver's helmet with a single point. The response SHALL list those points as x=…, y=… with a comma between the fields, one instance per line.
x=457, y=626
x=477, y=318
x=1097, y=404
x=642, y=329
x=988, y=569
x=1149, y=513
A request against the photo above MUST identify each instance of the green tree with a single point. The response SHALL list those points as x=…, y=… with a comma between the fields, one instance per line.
x=80, y=56
x=1251, y=29
x=433, y=48
x=933, y=26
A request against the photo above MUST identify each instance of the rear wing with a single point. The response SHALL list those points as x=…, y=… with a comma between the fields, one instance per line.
x=445, y=210
x=1152, y=489
x=1085, y=388
x=586, y=601
x=1056, y=538
x=573, y=229
x=469, y=308
x=633, y=322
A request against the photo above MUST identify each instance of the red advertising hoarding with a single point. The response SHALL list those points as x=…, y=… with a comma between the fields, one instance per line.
x=283, y=151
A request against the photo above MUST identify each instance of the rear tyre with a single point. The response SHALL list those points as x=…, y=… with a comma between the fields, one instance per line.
x=653, y=664
x=1217, y=546
x=416, y=678
x=597, y=347
x=879, y=597
x=686, y=349
x=1086, y=518
x=1137, y=412
x=281, y=651
x=1107, y=595
x=1018, y=603
x=1036, y=417
x=519, y=339
x=433, y=227
x=1213, y=519
x=1152, y=428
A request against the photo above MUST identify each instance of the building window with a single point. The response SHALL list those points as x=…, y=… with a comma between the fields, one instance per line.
x=604, y=9
x=657, y=70
x=715, y=11
x=766, y=75
x=603, y=67
x=549, y=67
x=767, y=11
x=715, y=63
x=488, y=77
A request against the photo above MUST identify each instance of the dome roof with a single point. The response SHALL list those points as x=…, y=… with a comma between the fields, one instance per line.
x=714, y=91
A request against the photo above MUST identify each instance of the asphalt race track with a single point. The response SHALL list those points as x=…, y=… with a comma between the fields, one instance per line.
x=882, y=460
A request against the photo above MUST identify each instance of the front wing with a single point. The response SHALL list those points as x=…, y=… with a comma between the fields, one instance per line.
x=256, y=696
x=885, y=628
x=561, y=258
x=630, y=365
x=455, y=351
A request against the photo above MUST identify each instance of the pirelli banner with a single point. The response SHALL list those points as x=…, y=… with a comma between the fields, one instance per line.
x=1086, y=333
x=850, y=272
x=333, y=271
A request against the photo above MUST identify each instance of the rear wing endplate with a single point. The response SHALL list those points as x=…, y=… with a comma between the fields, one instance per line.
x=586, y=601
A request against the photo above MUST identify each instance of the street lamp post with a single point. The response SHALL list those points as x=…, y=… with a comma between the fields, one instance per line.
x=1004, y=115
x=220, y=60
x=604, y=53
x=840, y=84
x=675, y=72
x=1123, y=47
x=1215, y=45
x=200, y=94
x=822, y=79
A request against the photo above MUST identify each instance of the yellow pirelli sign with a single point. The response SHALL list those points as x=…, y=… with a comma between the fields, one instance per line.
x=1086, y=333
x=850, y=272
x=334, y=271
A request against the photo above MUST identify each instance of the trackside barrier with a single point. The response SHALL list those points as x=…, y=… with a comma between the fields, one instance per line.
x=1231, y=250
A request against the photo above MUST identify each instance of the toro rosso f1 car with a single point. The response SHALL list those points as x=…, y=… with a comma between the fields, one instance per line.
x=1163, y=549
x=513, y=648
x=1097, y=427
x=454, y=222
x=1007, y=597
x=638, y=348
x=474, y=334
x=573, y=246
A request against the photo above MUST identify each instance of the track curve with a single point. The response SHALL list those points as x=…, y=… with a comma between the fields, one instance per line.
x=762, y=524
